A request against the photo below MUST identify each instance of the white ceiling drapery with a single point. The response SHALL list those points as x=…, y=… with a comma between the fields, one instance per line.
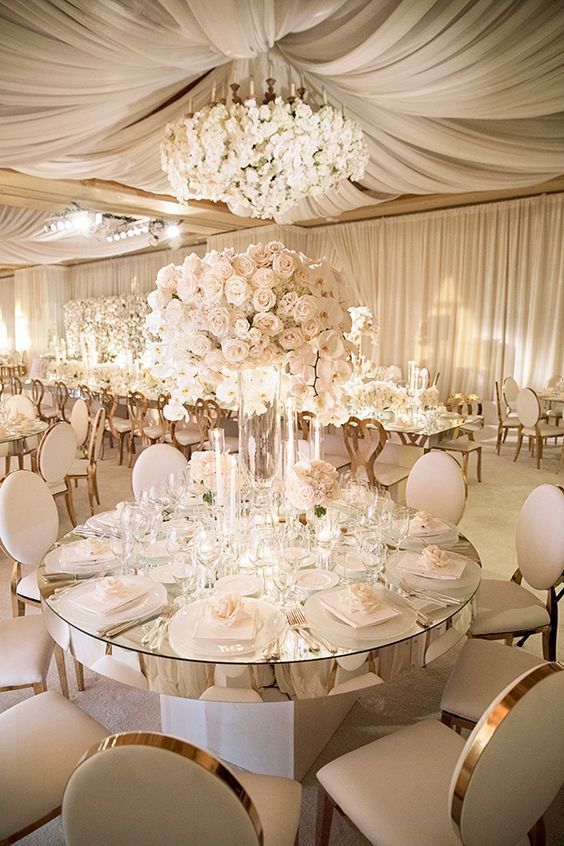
x=453, y=95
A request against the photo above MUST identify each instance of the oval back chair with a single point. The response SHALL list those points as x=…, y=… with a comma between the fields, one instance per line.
x=154, y=465
x=80, y=422
x=55, y=456
x=436, y=484
x=20, y=404
x=364, y=441
x=61, y=398
x=510, y=390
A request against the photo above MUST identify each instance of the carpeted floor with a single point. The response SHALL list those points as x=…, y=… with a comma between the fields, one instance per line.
x=489, y=521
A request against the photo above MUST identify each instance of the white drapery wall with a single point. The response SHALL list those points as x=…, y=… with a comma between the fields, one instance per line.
x=39, y=296
x=7, y=327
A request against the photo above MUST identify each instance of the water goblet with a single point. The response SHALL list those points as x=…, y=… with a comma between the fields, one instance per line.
x=263, y=550
x=185, y=574
x=400, y=525
x=208, y=548
x=285, y=573
x=374, y=554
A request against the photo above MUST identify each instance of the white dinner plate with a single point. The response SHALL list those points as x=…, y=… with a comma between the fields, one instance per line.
x=84, y=567
x=469, y=578
x=270, y=625
x=443, y=538
x=341, y=634
x=151, y=602
x=244, y=585
x=105, y=521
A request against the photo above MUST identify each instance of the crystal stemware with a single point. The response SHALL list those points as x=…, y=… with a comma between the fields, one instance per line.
x=185, y=574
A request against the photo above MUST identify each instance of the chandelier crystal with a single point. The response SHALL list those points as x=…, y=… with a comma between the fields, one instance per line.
x=262, y=159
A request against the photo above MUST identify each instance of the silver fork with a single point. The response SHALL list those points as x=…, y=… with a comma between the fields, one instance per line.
x=431, y=596
x=161, y=631
x=313, y=645
x=298, y=618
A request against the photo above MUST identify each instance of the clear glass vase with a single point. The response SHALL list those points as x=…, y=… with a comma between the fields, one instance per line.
x=259, y=428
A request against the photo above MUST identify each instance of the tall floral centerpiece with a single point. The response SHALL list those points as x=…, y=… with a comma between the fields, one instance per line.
x=228, y=323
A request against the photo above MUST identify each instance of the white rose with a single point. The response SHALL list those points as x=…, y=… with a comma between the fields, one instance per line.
x=173, y=313
x=284, y=264
x=263, y=299
x=263, y=277
x=237, y=291
x=198, y=344
x=235, y=350
x=305, y=308
x=187, y=284
x=218, y=321
x=240, y=327
x=291, y=338
x=222, y=268
x=311, y=328
x=168, y=276
x=192, y=265
x=268, y=323
x=259, y=255
x=211, y=286
x=159, y=298
x=243, y=266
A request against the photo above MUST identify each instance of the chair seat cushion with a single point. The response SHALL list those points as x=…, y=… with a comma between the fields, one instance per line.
x=41, y=741
x=153, y=432
x=49, y=411
x=337, y=460
x=188, y=436
x=389, y=474
x=483, y=669
x=28, y=587
x=545, y=429
x=57, y=487
x=504, y=606
x=277, y=801
x=25, y=653
x=121, y=425
x=79, y=467
x=395, y=790
x=459, y=445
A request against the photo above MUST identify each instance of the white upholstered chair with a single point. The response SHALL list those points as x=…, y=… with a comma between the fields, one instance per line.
x=29, y=525
x=504, y=608
x=86, y=468
x=505, y=421
x=41, y=741
x=531, y=426
x=425, y=785
x=154, y=465
x=55, y=456
x=436, y=484
x=169, y=791
x=510, y=390
x=482, y=670
x=20, y=404
x=364, y=441
x=80, y=422
x=46, y=412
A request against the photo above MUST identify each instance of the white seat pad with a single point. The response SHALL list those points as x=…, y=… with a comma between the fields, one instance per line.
x=57, y=487
x=153, y=431
x=28, y=587
x=504, y=606
x=396, y=789
x=121, y=425
x=460, y=445
x=277, y=801
x=49, y=411
x=337, y=460
x=188, y=436
x=79, y=467
x=389, y=474
x=545, y=429
x=41, y=741
x=25, y=653
x=483, y=669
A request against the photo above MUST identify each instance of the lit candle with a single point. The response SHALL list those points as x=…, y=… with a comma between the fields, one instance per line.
x=251, y=87
x=292, y=90
x=410, y=368
x=232, y=492
x=290, y=433
x=324, y=97
x=217, y=441
x=317, y=431
x=213, y=93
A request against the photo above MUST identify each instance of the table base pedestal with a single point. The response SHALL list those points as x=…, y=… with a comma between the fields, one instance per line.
x=277, y=738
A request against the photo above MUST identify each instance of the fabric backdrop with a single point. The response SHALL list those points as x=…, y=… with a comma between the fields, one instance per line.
x=453, y=96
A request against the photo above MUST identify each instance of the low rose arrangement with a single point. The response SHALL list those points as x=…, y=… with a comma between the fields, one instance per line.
x=268, y=306
x=312, y=485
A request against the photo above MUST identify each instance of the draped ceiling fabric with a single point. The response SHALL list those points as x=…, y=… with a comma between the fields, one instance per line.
x=453, y=95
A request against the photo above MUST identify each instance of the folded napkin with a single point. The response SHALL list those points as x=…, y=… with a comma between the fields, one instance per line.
x=86, y=551
x=227, y=618
x=422, y=523
x=109, y=594
x=358, y=606
x=432, y=563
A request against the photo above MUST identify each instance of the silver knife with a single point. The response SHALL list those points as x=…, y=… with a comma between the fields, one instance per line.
x=125, y=625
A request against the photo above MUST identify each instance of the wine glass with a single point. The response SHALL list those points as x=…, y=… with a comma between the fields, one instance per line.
x=295, y=544
x=208, y=548
x=185, y=574
x=400, y=524
x=285, y=573
x=145, y=525
x=263, y=550
x=176, y=486
x=374, y=554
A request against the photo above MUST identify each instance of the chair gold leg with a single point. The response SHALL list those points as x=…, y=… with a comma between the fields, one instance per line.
x=39, y=687
x=519, y=442
x=498, y=441
x=120, y=453
x=95, y=482
x=70, y=503
x=479, y=464
x=508, y=640
x=325, y=808
x=61, y=669
x=91, y=493
x=79, y=673
x=505, y=435
x=465, y=465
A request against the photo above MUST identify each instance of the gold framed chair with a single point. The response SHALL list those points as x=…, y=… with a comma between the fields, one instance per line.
x=425, y=784
x=86, y=468
x=529, y=413
x=174, y=792
x=505, y=422
x=364, y=442
x=193, y=433
x=47, y=413
x=155, y=432
x=61, y=398
x=137, y=405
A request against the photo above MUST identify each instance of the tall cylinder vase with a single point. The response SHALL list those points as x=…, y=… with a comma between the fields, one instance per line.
x=259, y=428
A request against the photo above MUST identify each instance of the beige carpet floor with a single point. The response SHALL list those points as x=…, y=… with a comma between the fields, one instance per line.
x=489, y=521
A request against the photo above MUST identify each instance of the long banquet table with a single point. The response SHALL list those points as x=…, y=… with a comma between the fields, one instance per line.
x=302, y=698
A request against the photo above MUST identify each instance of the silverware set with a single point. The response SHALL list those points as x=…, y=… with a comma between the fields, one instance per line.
x=155, y=634
x=298, y=623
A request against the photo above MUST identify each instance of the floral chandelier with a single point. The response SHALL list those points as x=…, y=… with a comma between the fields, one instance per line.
x=262, y=159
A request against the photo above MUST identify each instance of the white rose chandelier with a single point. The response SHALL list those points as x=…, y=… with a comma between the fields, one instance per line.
x=262, y=159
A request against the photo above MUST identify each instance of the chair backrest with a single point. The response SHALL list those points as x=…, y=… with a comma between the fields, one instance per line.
x=512, y=765
x=436, y=484
x=528, y=408
x=510, y=389
x=213, y=413
x=61, y=398
x=137, y=405
x=109, y=403
x=540, y=537
x=80, y=421
x=86, y=395
x=29, y=520
x=364, y=441
x=20, y=404
x=554, y=381
x=166, y=791
x=56, y=453
x=501, y=409
x=154, y=464
x=96, y=436
x=16, y=384
x=37, y=392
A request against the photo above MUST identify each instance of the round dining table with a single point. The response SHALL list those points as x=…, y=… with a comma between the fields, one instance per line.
x=19, y=439
x=269, y=703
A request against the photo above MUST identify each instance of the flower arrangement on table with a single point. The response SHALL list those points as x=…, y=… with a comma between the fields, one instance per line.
x=363, y=325
x=68, y=370
x=369, y=399
x=267, y=307
x=312, y=485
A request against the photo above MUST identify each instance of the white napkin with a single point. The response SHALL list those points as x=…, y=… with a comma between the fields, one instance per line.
x=432, y=563
x=422, y=523
x=226, y=618
x=109, y=594
x=86, y=552
x=358, y=606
